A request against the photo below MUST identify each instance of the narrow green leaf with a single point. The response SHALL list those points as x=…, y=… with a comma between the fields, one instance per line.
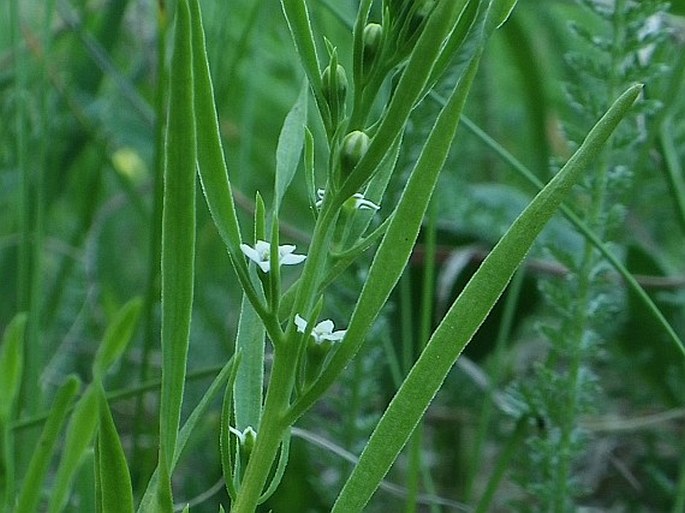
x=29, y=495
x=11, y=364
x=226, y=375
x=211, y=165
x=290, y=143
x=283, y=455
x=249, y=382
x=11, y=375
x=210, y=156
x=297, y=16
x=80, y=432
x=116, y=491
x=178, y=233
x=500, y=12
x=466, y=315
x=117, y=337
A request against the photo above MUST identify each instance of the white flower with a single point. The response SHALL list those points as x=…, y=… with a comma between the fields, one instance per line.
x=322, y=331
x=359, y=201
x=247, y=435
x=261, y=254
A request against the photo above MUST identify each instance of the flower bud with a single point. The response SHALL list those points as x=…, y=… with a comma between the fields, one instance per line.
x=372, y=39
x=334, y=85
x=354, y=146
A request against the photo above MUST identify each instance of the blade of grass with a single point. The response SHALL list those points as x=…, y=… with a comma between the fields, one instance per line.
x=297, y=17
x=79, y=436
x=116, y=492
x=117, y=337
x=29, y=495
x=465, y=316
x=225, y=375
x=11, y=370
x=211, y=165
x=178, y=234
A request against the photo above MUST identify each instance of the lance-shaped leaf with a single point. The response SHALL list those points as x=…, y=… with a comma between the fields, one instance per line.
x=290, y=143
x=29, y=495
x=466, y=315
x=112, y=474
x=178, y=233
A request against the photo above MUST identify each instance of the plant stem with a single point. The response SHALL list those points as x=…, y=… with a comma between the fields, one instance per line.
x=271, y=431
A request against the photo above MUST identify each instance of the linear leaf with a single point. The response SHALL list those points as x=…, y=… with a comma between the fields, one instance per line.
x=80, y=432
x=290, y=143
x=178, y=233
x=117, y=337
x=42, y=454
x=227, y=374
x=116, y=491
x=11, y=364
x=466, y=315
x=249, y=382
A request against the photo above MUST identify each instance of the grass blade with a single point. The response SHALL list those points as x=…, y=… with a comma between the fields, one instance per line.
x=466, y=315
x=117, y=337
x=11, y=370
x=178, y=234
x=29, y=495
x=116, y=492
x=80, y=432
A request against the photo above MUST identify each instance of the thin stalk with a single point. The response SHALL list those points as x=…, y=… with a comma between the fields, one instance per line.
x=272, y=429
x=584, y=297
x=274, y=423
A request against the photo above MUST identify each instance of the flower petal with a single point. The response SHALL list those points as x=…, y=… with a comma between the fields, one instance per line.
x=292, y=259
x=300, y=323
x=335, y=336
x=250, y=252
x=324, y=327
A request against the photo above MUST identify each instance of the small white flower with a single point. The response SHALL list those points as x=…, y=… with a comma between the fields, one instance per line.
x=322, y=331
x=245, y=435
x=362, y=203
x=261, y=254
x=359, y=202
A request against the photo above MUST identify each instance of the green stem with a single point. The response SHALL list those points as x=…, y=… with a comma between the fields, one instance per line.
x=271, y=432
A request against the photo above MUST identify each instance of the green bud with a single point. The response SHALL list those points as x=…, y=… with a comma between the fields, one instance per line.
x=334, y=85
x=354, y=146
x=372, y=39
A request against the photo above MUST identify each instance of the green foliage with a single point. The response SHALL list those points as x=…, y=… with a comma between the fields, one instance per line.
x=379, y=138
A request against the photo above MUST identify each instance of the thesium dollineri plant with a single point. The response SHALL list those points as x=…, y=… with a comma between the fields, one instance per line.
x=348, y=326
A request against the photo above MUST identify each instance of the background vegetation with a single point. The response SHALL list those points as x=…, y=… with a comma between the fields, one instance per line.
x=570, y=389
